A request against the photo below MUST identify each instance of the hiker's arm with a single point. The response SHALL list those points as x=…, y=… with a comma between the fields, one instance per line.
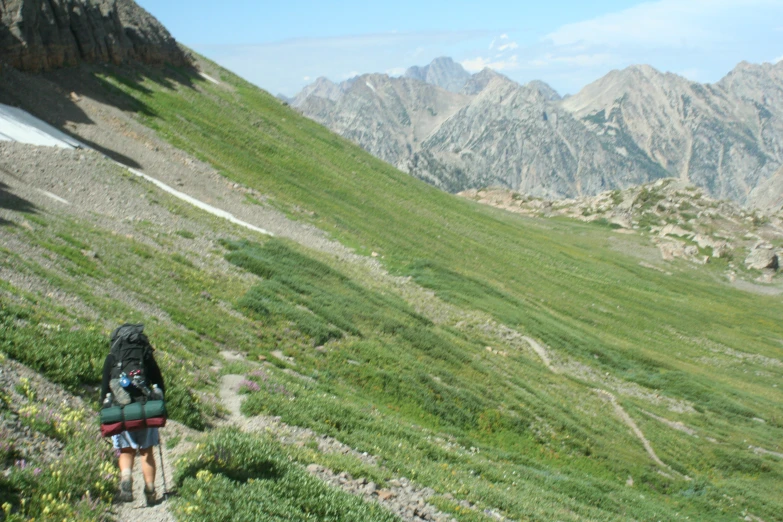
x=106, y=376
x=153, y=374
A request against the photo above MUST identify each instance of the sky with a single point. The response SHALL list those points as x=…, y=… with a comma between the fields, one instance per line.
x=283, y=46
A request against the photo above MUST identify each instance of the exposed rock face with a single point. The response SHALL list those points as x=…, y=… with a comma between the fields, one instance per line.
x=726, y=138
x=39, y=35
x=408, y=109
x=321, y=88
x=512, y=136
x=545, y=90
x=495, y=132
x=630, y=127
x=443, y=72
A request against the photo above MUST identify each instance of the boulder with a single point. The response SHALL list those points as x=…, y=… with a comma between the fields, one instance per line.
x=762, y=257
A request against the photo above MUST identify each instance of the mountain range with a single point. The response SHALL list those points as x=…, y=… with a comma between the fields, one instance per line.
x=459, y=131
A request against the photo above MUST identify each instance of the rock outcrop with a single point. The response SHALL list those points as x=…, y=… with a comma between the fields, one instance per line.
x=40, y=35
x=678, y=218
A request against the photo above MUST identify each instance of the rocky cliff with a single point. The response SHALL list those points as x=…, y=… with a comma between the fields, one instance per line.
x=39, y=35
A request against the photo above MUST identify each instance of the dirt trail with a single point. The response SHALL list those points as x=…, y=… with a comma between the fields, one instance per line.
x=618, y=409
x=137, y=511
x=541, y=351
x=402, y=497
x=623, y=415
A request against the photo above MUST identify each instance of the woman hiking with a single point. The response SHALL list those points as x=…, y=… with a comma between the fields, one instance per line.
x=131, y=374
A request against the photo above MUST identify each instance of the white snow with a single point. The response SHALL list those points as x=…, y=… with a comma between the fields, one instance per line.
x=196, y=203
x=208, y=78
x=21, y=126
x=54, y=197
x=18, y=125
x=370, y=86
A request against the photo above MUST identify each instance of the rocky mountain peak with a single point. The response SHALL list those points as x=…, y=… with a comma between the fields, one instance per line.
x=443, y=72
x=545, y=90
x=38, y=35
x=322, y=87
x=479, y=81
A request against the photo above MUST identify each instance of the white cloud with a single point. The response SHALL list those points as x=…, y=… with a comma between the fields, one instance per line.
x=477, y=64
x=502, y=60
x=702, y=39
x=666, y=23
x=280, y=66
x=306, y=78
x=576, y=60
x=396, y=71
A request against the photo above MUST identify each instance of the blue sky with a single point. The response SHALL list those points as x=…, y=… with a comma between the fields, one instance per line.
x=282, y=46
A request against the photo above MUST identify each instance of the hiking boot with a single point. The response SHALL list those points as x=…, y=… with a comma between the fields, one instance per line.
x=149, y=494
x=126, y=491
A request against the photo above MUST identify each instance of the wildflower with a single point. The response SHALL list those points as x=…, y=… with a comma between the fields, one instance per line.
x=249, y=386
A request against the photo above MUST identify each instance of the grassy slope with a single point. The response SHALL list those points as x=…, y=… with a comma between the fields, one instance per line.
x=501, y=431
x=556, y=281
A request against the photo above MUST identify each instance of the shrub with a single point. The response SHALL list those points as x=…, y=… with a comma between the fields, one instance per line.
x=244, y=477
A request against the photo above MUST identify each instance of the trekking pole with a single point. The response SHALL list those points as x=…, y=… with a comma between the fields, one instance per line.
x=163, y=468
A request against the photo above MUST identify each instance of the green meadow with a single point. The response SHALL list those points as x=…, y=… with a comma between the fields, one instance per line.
x=423, y=366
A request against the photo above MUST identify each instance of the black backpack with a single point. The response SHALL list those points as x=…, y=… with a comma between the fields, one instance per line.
x=131, y=350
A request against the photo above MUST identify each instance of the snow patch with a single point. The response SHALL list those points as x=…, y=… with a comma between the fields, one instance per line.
x=370, y=86
x=23, y=127
x=197, y=203
x=54, y=197
x=208, y=78
x=18, y=125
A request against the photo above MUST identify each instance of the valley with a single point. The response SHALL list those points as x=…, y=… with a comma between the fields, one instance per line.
x=371, y=347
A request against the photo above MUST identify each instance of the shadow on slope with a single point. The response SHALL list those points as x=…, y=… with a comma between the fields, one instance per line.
x=10, y=201
x=54, y=97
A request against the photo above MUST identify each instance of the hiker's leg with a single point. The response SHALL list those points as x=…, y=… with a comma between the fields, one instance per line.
x=126, y=460
x=148, y=465
x=126, y=474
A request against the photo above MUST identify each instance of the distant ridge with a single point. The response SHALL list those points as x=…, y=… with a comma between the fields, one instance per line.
x=630, y=127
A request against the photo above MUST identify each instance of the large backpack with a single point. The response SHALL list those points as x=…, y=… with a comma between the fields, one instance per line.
x=133, y=407
x=131, y=350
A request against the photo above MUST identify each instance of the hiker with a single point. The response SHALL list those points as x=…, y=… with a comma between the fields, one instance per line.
x=130, y=374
